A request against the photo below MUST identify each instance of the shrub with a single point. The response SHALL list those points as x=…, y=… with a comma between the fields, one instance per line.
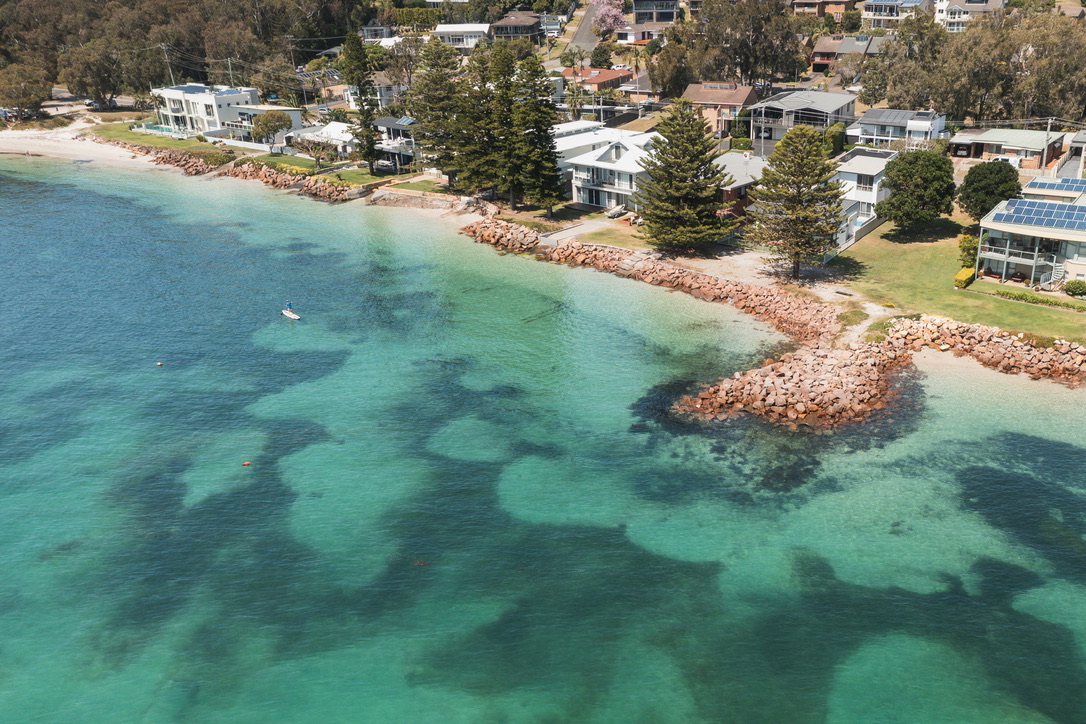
x=1037, y=299
x=740, y=144
x=835, y=138
x=967, y=245
x=1075, y=287
x=965, y=277
x=200, y=138
x=852, y=317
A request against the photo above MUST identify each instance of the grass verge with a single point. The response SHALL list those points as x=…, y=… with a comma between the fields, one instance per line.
x=915, y=271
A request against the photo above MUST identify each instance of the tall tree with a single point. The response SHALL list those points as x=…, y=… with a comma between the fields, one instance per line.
x=23, y=86
x=534, y=117
x=357, y=63
x=434, y=103
x=95, y=70
x=679, y=198
x=913, y=56
x=798, y=204
x=610, y=16
x=986, y=185
x=268, y=125
x=366, y=137
x=921, y=185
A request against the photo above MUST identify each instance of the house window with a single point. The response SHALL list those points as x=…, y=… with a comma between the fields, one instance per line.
x=208, y=110
x=864, y=182
x=866, y=209
x=996, y=148
x=1025, y=154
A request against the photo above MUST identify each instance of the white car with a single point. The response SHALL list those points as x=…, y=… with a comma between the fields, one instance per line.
x=620, y=66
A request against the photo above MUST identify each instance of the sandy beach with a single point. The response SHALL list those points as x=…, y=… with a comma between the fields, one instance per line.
x=67, y=143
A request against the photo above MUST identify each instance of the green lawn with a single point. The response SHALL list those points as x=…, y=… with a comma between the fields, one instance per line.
x=361, y=176
x=120, y=132
x=916, y=272
x=616, y=235
x=428, y=186
x=285, y=159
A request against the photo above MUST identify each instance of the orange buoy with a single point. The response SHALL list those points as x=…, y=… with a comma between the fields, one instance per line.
x=158, y=363
x=246, y=463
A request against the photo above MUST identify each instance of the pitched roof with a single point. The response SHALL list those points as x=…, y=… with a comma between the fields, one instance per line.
x=827, y=44
x=744, y=168
x=594, y=76
x=888, y=117
x=1018, y=138
x=728, y=94
x=807, y=99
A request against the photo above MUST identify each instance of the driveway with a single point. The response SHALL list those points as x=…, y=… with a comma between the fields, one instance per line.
x=583, y=37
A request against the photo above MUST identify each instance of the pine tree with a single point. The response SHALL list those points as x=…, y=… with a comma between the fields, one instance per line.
x=534, y=115
x=476, y=159
x=434, y=102
x=356, y=65
x=798, y=205
x=366, y=137
x=679, y=198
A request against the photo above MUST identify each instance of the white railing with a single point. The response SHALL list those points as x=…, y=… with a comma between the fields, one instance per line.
x=1001, y=252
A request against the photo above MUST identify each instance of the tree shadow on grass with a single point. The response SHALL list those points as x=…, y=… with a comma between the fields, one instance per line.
x=938, y=230
x=846, y=268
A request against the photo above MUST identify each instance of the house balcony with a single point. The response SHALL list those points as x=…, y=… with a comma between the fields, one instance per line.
x=1016, y=255
x=601, y=182
x=665, y=6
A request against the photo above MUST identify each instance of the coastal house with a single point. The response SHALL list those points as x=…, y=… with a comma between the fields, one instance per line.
x=577, y=138
x=641, y=34
x=463, y=36
x=1022, y=148
x=744, y=170
x=956, y=15
x=607, y=177
x=720, y=103
x=518, y=24
x=1039, y=239
x=382, y=92
x=640, y=90
x=824, y=54
x=655, y=11
x=335, y=134
x=217, y=110
x=772, y=118
x=860, y=172
x=594, y=80
x=887, y=13
x=822, y=8
x=397, y=142
x=882, y=126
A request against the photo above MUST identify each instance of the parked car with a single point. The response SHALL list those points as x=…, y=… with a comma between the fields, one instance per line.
x=385, y=163
x=95, y=106
x=620, y=66
x=324, y=111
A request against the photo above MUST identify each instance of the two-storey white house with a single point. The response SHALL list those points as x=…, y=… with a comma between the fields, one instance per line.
x=195, y=108
x=772, y=118
x=608, y=176
x=1039, y=239
x=463, y=36
x=887, y=13
x=955, y=15
x=881, y=126
x=860, y=172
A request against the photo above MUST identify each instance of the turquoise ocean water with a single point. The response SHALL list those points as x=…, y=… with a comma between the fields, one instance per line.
x=466, y=502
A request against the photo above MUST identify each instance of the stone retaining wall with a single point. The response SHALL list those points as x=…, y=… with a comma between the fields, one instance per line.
x=992, y=347
x=818, y=385
x=191, y=165
x=309, y=185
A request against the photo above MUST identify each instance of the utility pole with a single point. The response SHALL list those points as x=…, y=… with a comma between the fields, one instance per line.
x=168, y=66
x=230, y=69
x=290, y=39
x=1044, y=152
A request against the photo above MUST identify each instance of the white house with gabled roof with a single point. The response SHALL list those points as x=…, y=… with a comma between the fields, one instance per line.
x=608, y=176
x=463, y=36
x=220, y=111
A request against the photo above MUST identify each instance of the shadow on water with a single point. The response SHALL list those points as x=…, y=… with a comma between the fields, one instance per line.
x=766, y=458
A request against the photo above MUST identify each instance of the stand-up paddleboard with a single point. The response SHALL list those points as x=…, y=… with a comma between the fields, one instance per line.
x=292, y=315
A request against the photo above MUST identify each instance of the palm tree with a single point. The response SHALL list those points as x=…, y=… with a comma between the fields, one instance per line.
x=633, y=56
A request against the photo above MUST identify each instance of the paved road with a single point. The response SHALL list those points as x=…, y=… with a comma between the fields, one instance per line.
x=584, y=37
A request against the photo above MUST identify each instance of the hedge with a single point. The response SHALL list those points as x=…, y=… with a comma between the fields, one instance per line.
x=1037, y=299
x=965, y=277
x=1075, y=287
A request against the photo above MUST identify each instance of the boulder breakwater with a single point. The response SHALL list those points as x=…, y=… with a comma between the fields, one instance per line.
x=313, y=186
x=819, y=385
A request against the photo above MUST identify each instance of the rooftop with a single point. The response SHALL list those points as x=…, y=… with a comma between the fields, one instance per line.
x=1042, y=216
x=807, y=99
x=267, y=107
x=744, y=168
x=1018, y=138
x=463, y=28
x=721, y=93
x=865, y=161
x=574, y=127
x=630, y=151
x=894, y=117
x=1074, y=185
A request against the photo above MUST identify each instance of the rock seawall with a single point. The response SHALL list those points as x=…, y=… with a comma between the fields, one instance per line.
x=1063, y=361
x=309, y=185
x=818, y=385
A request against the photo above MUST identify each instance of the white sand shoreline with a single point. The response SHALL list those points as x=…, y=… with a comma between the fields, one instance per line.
x=69, y=144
